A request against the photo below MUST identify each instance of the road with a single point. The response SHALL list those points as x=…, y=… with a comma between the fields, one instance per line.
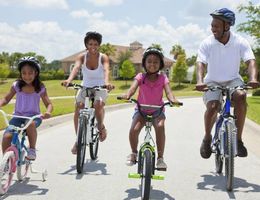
x=188, y=176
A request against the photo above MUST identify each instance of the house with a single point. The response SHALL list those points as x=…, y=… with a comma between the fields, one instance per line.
x=137, y=52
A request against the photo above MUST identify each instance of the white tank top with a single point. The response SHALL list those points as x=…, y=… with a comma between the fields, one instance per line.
x=94, y=77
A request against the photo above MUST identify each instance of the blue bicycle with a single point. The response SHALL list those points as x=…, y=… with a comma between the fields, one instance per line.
x=14, y=158
x=224, y=143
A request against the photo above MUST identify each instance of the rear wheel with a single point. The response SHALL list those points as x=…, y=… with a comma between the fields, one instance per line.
x=22, y=166
x=146, y=174
x=81, y=143
x=229, y=159
x=7, y=168
x=93, y=146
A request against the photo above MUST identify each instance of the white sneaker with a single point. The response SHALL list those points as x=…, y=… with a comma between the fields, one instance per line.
x=161, y=165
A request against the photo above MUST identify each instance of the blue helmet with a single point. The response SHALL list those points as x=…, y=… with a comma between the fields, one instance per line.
x=225, y=15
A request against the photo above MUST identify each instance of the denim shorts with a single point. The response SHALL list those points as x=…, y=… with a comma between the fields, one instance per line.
x=15, y=121
x=162, y=115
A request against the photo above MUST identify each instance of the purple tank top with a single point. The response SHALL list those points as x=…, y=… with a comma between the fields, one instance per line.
x=27, y=104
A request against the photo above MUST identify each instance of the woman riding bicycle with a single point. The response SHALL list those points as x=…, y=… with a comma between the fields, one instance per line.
x=28, y=90
x=151, y=86
x=95, y=70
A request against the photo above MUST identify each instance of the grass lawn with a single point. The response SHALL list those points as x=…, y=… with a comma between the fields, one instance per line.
x=64, y=106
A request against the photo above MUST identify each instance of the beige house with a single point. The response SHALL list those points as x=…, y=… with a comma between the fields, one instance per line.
x=137, y=52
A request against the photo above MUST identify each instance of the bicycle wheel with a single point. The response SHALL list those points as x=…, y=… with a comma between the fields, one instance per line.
x=146, y=174
x=81, y=143
x=93, y=146
x=22, y=166
x=7, y=168
x=229, y=159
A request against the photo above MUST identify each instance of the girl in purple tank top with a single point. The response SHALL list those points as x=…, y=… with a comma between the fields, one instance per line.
x=151, y=86
x=28, y=90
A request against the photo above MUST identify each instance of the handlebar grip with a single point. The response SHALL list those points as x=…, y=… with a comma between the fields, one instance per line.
x=119, y=98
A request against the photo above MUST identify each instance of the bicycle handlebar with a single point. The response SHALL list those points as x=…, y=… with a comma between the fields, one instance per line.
x=223, y=88
x=5, y=115
x=78, y=86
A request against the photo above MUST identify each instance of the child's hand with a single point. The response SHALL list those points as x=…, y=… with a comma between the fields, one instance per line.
x=46, y=115
x=65, y=83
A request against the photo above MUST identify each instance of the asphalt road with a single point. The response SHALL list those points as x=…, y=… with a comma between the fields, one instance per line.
x=188, y=175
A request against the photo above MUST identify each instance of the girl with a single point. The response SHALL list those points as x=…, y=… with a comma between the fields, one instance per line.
x=95, y=70
x=28, y=89
x=151, y=85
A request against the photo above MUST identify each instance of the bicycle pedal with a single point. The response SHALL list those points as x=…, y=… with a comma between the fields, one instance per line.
x=134, y=175
x=158, y=177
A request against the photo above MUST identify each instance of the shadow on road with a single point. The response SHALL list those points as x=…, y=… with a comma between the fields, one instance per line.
x=154, y=194
x=24, y=188
x=91, y=167
x=216, y=182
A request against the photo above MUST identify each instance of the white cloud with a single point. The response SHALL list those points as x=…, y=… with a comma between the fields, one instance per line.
x=106, y=2
x=44, y=38
x=85, y=14
x=58, y=4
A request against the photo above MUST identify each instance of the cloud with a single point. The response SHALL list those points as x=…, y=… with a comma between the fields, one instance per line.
x=57, y=4
x=85, y=14
x=106, y=2
x=44, y=38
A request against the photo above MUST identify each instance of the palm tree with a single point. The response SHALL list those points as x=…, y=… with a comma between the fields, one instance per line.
x=107, y=49
x=177, y=50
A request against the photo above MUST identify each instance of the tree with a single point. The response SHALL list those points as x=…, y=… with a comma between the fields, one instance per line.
x=4, y=72
x=127, y=70
x=180, y=68
x=176, y=51
x=191, y=61
x=252, y=26
x=123, y=56
x=107, y=49
x=157, y=46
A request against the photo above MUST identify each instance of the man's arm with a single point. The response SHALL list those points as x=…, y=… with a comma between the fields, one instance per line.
x=200, y=75
x=252, y=73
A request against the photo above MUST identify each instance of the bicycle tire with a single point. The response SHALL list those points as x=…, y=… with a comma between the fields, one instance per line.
x=93, y=145
x=81, y=144
x=22, y=166
x=7, y=169
x=146, y=174
x=229, y=159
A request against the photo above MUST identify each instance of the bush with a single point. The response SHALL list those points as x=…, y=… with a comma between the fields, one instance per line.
x=256, y=92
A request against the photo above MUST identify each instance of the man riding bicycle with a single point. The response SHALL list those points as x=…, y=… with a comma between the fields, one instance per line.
x=221, y=53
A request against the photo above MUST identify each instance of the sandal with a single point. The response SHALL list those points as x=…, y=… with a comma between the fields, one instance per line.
x=74, y=149
x=131, y=159
x=102, y=134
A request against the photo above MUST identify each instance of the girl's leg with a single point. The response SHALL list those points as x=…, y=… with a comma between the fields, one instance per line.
x=6, y=141
x=32, y=135
x=160, y=135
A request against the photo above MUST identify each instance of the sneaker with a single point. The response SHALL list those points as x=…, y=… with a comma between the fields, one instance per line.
x=241, y=149
x=161, y=165
x=205, y=149
x=131, y=159
x=31, y=155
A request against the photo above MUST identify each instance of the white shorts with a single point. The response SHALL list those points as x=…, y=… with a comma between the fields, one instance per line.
x=100, y=95
x=217, y=94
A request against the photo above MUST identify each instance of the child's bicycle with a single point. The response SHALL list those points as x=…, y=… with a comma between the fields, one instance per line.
x=224, y=143
x=14, y=158
x=87, y=134
x=147, y=153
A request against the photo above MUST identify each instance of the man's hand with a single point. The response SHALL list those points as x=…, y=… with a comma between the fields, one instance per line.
x=253, y=84
x=201, y=87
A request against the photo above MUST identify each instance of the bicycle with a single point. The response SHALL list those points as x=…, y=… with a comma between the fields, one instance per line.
x=87, y=134
x=147, y=153
x=224, y=143
x=14, y=158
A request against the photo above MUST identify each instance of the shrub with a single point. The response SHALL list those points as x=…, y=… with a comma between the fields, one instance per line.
x=256, y=92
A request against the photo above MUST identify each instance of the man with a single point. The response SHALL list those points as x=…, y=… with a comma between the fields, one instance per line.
x=221, y=53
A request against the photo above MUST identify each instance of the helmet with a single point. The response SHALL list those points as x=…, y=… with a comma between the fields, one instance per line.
x=93, y=35
x=153, y=50
x=225, y=15
x=29, y=60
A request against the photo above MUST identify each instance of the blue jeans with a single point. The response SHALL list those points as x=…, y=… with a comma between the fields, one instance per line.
x=15, y=121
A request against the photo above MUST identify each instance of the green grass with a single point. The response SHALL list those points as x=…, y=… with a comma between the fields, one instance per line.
x=253, y=109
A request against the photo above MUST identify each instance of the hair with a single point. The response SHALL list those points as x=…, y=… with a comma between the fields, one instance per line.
x=94, y=36
x=37, y=84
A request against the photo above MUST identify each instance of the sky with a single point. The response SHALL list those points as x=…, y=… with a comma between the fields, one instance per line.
x=55, y=29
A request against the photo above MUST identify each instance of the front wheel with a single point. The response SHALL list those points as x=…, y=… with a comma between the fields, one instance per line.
x=93, y=146
x=146, y=174
x=81, y=143
x=229, y=159
x=22, y=166
x=7, y=168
